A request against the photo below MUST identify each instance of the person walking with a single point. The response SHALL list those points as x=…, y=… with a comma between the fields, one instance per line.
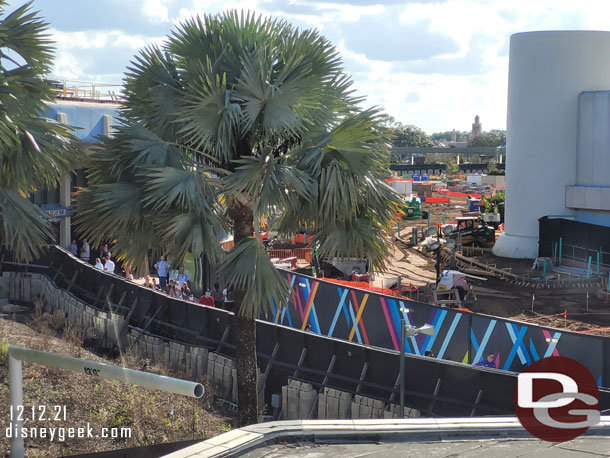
x=85, y=252
x=162, y=271
x=98, y=264
x=183, y=277
x=74, y=248
x=227, y=298
x=217, y=296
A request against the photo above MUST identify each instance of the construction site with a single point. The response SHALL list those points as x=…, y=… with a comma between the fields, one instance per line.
x=552, y=294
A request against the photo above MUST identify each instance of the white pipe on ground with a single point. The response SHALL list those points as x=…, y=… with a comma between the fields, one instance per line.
x=18, y=354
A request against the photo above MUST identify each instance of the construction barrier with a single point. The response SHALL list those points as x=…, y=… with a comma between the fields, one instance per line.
x=366, y=286
x=446, y=192
x=302, y=254
x=437, y=200
x=281, y=254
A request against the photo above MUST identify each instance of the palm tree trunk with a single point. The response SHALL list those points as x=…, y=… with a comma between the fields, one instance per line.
x=245, y=329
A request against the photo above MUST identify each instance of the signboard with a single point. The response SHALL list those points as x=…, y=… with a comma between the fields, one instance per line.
x=57, y=212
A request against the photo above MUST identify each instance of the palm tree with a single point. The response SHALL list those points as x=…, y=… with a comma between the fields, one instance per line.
x=233, y=119
x=35, y=152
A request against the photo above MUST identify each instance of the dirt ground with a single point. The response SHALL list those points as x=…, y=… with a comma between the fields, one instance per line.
x=498, y=297
x=152, y=416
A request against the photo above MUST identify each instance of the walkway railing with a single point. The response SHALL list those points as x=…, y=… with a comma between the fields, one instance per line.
x=87, y=90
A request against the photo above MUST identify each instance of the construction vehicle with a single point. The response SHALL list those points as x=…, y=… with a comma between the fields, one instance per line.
x=411, y=209
x=473, y=231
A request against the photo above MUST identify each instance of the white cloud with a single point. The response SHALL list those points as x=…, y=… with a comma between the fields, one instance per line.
x=442, y=85
x=156, y=10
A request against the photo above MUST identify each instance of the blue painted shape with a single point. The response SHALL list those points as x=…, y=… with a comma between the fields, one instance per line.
x=338, y=312
x=533, y=351
x=599, y=381
x=393, y=308
x=449, y=335
x=473, y=339
x=427, y=345
x=345, y=310
x=552, y=344
x=523, y=357
x=515, y=348
x=351, y=311
x=490, y=328
x=408, y=322
x=438, y=323
x=313, y=317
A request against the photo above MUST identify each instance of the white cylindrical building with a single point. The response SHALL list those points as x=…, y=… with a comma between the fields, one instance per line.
x=547, y=72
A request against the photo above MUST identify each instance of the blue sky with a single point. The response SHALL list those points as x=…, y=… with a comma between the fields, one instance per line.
x=435, y=64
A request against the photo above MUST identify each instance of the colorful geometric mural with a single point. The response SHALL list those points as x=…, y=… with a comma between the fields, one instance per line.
x=373, y=319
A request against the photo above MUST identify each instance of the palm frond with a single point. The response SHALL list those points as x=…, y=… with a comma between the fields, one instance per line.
x=248, y=268
x=24, y=227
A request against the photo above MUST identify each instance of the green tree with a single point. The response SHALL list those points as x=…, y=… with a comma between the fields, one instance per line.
x=404, y=135
x=35, y=152
x=410, y=136
x=233, y=119
x=490, y=139
x=460, y=136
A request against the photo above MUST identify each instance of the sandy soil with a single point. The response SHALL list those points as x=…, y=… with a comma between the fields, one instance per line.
x=497, y=297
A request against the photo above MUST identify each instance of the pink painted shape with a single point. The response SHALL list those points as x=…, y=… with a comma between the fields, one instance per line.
x=389, y=321
x=547, y=335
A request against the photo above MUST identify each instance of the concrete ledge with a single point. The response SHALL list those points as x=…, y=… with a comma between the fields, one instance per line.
x=407, y=430
x=588, y=198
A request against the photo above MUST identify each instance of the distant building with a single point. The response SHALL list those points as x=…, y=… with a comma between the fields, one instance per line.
x=477, y=128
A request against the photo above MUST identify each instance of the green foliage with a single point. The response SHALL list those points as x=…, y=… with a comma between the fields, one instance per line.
x=404, y=135
x=452, y=168
x=235, y=108
x=4, y=351
x=460, y=136
x=34, y=151
x=489, y=139
x=493, y=203
x=496, y=172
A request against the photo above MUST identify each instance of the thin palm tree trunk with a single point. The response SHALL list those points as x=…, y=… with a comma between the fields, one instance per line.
x=245, y=329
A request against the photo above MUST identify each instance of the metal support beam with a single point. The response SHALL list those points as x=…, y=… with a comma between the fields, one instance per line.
x=72, y=281
x=223, y=339
x=365, y=368
x=300, y=363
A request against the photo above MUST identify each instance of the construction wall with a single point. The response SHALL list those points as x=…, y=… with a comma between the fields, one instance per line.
x=332, y=310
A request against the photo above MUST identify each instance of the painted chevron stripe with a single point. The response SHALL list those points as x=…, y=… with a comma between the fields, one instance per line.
x=438, y=323
x=408, y=322
x=516, y=347
x=551, y=349
x=312, y=295
x=354, y=327
x=490, y=328
x=388, y=320
x=449, y=335
x=341, y=306
x=357, y=320
x=359, y=310
x=523, y=355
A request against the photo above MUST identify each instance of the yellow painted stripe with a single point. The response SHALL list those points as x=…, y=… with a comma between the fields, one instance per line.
x=364, y=299
x=309, y=305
